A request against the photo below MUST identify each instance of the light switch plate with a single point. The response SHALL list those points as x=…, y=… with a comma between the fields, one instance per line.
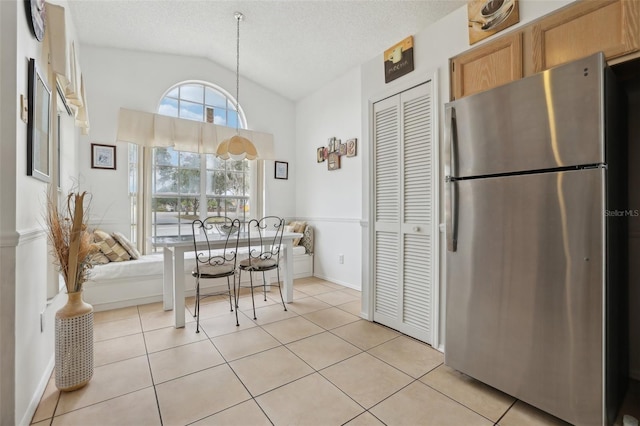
x=24, y=109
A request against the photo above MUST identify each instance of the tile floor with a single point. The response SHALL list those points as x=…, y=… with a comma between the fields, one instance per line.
x=316, y=364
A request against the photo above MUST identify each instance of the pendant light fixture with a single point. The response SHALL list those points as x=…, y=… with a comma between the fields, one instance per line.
x=237, y=147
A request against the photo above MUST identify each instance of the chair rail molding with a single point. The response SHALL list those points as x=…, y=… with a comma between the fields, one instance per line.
x=20, y=237
x=9, y=239
x=330, y=219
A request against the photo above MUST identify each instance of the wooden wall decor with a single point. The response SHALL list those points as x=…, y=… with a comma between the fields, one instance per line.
x=487, y=17
x=398, y=60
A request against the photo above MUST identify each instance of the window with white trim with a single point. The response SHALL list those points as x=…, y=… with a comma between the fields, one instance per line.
x=184, y=185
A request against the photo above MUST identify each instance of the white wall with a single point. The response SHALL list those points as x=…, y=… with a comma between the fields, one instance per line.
x=118, y=78
x=26, y=354
x=432, y=49
x=8, y=32
x=331, y=200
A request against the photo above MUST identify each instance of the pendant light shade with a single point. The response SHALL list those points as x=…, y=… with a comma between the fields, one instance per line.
x=237, y=147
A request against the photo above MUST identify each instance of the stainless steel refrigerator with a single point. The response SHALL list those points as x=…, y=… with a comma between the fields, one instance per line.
x=535, y=208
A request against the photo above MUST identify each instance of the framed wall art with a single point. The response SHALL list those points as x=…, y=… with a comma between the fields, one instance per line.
x=38, y=138
x=331, y=144
x=103, y=156
x=352, y=145
x=487, y=17
x=320, y=154
x=333, y=162
x=398, y=60
x=282, y=170
x=342, y=149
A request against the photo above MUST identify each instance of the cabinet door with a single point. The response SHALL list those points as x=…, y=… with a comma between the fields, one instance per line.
x=487, y=66
x=610, y=26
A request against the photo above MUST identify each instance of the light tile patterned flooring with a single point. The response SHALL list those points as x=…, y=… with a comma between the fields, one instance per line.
x=316, y=364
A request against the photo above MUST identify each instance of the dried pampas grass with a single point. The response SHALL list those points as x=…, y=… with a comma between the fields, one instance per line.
x=71, y=242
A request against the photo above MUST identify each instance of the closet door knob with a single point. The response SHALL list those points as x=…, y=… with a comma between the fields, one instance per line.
x=416, y=228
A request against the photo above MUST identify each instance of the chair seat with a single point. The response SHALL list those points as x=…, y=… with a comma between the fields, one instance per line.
x=217, y=271
x=258, y=264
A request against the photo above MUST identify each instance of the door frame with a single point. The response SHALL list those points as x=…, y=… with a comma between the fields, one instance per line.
x=368, y=296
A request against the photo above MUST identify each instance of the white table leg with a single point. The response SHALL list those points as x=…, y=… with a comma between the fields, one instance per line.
x=167, y=279
x=288, y=278
x=178, y=286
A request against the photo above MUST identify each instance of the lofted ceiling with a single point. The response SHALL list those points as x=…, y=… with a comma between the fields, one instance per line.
x=292, y=47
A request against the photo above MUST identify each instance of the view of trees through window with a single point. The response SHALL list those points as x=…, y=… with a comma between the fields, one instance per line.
x=188, y=186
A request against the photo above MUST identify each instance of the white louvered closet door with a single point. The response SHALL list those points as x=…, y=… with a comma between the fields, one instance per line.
x=403, y=211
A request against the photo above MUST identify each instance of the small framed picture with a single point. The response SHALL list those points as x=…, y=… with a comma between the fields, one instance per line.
x=103, y=156
x=333, y=161
x=352, y=145
x=320, y=154
x=331, y=146
x=282, y=170
x=38, y=139
x=342, y=149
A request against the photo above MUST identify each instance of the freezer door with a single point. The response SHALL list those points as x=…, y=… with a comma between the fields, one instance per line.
x=524, y=292
x=551, y=119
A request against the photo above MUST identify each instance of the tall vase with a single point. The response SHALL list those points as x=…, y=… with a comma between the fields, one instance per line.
x=74, y=343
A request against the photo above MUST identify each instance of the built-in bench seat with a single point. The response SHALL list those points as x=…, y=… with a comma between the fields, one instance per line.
x=135, y=282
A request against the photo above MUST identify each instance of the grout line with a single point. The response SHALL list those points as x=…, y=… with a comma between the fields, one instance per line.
x=506, y=411
x=53, y=415
x=227, y=362
x=456, y=401
x=153, y=384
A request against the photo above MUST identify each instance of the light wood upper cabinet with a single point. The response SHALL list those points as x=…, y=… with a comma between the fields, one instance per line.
x=610, y=26
x=490, y=65
x=575, y=31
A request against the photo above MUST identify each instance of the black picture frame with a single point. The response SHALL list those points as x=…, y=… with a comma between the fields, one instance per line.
x=103, y=156
x=281, y=170
x=38, y=125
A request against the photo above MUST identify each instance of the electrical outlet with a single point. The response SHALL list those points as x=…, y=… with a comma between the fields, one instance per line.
x=341, y=259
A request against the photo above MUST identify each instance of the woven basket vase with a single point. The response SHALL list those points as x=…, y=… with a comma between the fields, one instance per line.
x=74, y=343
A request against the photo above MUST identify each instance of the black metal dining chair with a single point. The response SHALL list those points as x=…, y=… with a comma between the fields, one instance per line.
x=215, y=263
x=265, y=245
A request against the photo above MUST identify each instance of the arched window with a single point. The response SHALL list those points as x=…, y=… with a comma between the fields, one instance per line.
x=201, y=102
x=186, y=185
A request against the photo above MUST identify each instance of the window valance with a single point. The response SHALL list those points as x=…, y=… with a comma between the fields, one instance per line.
x=155, y=130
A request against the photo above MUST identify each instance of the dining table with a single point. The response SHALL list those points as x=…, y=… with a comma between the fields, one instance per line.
x=174, y=249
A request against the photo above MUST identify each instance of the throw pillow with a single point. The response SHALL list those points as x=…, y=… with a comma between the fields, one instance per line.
x=307, y=239
x=298, y=226
x=98, y=258
x=128, y=245
x=110, y=247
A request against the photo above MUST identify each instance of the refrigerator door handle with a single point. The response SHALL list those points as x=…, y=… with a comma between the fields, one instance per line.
x=450, y=186
x=450, y=141
x=450, y=212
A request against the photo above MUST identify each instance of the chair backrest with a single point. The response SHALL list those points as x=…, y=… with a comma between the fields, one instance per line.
x=215, y=228
x=265, y=237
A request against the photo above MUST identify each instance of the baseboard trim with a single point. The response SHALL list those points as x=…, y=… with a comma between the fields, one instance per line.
x=333, y=280
x=37, y=396
x=126, y=303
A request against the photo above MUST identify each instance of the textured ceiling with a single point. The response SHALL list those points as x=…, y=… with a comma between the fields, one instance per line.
x=290, y=47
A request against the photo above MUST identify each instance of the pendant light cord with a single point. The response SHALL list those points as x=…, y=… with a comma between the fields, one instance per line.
x=239, y=17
